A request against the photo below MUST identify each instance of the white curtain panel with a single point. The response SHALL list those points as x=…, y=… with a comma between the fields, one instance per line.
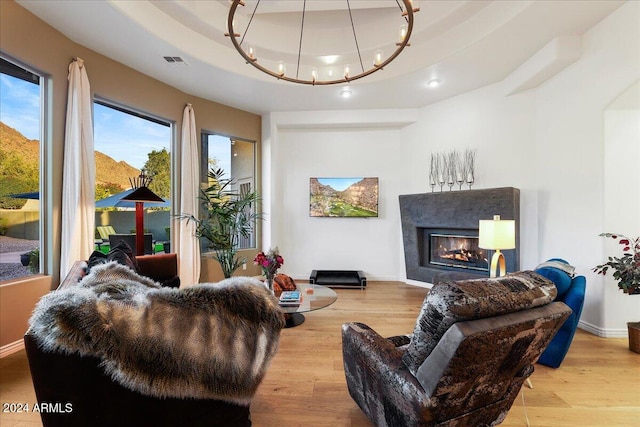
x=188, y=249
x=79, y=176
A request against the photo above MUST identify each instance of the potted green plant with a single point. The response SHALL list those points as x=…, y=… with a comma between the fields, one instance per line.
x=24, y=258
x=227, y=216
x=626, y=270
x=32, y=260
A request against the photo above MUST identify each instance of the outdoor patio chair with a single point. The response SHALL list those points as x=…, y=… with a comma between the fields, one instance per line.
x=105, y=231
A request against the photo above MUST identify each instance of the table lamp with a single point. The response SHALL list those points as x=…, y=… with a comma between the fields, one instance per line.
x=141, y=194
x=497, y=234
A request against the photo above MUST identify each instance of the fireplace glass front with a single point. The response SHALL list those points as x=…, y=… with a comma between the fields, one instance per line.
x=455, y=251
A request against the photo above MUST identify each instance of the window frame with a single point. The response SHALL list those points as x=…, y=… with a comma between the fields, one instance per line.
x=204, y=169
x=173, y=146
x=45, y=157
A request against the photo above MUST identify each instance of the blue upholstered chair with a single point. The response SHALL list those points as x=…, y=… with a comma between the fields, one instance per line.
x=571, y=291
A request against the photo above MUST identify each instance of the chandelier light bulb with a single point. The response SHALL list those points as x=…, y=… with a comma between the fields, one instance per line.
x=236, y=22
x=314, y=74
x=402, y=33
x=252, y=52
x=281, y=68
x=347, y=69
x=378, y=57
x=233, y=27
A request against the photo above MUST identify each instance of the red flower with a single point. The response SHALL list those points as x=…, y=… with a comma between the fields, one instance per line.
x=626, y=269
x=270, y=263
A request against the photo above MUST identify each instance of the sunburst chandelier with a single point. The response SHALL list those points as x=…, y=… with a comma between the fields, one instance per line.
x=308, y=52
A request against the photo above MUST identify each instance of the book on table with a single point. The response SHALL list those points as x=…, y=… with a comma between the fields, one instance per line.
x=290, y=298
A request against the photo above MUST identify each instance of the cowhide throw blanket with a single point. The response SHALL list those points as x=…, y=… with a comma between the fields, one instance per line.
x=211, y=341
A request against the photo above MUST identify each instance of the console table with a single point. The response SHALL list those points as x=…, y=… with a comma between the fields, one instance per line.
x=339, y=278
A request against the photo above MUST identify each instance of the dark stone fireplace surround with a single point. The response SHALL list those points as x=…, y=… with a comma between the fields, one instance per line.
x=455, y=212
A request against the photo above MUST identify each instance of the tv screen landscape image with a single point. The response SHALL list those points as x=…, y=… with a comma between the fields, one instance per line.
x=343, y=197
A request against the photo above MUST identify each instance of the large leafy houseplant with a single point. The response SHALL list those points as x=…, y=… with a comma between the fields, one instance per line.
x=227, y=216
x=626, y=269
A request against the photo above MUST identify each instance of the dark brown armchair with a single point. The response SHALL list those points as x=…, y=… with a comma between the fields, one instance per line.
x=118, y=349
x=85, y=396
x=473, y=346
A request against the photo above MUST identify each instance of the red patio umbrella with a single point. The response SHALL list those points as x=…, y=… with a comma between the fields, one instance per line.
x=141, y=194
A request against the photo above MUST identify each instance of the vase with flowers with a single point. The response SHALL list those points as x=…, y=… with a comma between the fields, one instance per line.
x=626, y=270
x=269, y=263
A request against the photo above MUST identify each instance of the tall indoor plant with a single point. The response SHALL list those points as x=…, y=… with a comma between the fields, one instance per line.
x=227, y=215
x=626, y=271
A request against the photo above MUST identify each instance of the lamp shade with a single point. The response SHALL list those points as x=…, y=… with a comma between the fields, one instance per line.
x=497, y=233
x=143, y=194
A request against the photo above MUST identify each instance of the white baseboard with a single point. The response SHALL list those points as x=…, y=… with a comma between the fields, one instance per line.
x=418, y=283
x=602, y=332
x=11, y=348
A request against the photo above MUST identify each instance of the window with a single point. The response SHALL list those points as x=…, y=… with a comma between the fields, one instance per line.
x=126, y=143
x=20, y=171
x=236, y=156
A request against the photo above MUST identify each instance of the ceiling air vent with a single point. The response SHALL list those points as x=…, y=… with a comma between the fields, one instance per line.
x=175, y=60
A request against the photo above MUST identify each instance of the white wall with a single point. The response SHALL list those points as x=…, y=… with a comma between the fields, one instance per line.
x=549, y=142
x=341, y=243
x=501, y=129
x=622, y=196
x=323, y=144
x=570, y=142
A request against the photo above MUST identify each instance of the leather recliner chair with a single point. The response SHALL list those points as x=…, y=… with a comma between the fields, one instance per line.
x=474, y=344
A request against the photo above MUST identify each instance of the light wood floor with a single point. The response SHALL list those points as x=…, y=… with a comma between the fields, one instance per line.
x=598, y=383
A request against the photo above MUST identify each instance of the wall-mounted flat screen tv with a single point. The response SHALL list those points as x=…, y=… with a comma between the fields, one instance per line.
x=343, y=197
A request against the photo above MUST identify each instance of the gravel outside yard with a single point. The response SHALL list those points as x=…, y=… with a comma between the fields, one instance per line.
x=12, y=270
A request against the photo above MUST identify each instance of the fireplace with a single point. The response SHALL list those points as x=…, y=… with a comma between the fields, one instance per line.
x=440, y=232
x=456, y=251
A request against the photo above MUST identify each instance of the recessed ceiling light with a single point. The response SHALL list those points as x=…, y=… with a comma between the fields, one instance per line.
x=433, y=83
x=345, y=93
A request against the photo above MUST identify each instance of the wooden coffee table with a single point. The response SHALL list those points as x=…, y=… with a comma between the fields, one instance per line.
x=314, y=297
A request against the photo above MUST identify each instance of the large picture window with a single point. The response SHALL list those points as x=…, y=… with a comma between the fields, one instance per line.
x=236, y=156
x=128, y=143
x=20, y=171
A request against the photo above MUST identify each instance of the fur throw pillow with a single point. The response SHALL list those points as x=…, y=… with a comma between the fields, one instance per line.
x=209, y=341
x=121, y=253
